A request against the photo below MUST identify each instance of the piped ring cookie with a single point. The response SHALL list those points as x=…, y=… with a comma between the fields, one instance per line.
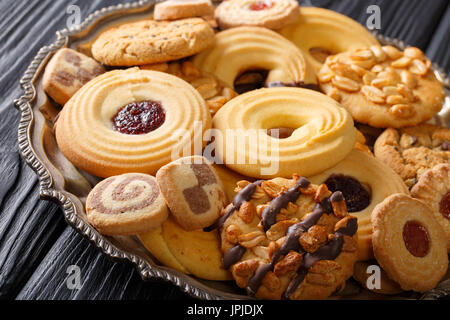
x=383, y=86
x=365, y=182
x=126, y=205
x=272, y=14
x=320, y=32
x=433, y=189
x=317, y=133
x=244, y=49
x=409, y=243
x=129, y=121
x=288, y=239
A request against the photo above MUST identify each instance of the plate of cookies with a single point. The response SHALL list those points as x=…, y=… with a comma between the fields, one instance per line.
x=247, y=149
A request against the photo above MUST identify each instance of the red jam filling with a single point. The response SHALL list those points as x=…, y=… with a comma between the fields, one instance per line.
x=444, y=206
x=356, y=196
x=139, y=117
x=260, y=5
x=416, y=239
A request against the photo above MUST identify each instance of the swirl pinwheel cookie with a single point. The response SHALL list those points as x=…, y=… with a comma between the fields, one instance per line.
x=272, y=14
x=365, y=182
x=383, y=86
x=413, y=150
x=150, y=41
x=126, y=205
x=317, y=133
x=288, y=239
x=409, y=243
x=320, y=33
x=433, y=189
x=248, y=49
x=131, y=121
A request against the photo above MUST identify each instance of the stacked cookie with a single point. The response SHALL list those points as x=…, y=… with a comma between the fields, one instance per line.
x=233, y=139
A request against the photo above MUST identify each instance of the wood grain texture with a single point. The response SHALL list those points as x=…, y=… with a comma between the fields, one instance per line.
x=36, y=245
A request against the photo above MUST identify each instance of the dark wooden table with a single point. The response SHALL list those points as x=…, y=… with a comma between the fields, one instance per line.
x=36, y=245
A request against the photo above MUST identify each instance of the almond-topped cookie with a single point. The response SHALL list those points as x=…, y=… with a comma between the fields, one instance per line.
x=288, y=239
x=383, y=86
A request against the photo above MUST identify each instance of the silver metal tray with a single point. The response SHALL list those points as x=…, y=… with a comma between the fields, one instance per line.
x=62, y=183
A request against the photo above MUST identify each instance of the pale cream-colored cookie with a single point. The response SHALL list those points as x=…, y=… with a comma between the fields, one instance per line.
x=433, y=189
x=408, y=242
x=150, y=41
x=383, y=86
x=180, y=9
x=272, y=14
x=413, y=150
x=67, y=72
x=126, y=205
x=193, y=192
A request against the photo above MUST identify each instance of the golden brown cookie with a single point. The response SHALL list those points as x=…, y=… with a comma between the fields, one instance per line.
x=287, y=238
x=180, y=9
x=383, y=86
x=193, y=192
x=67, y=72
x=413, y=150
x=215, y=92
x=364, y=270
x=272, y=14
x=150, y=41
x=126, y=205
x=433, y=189
x=409, y=243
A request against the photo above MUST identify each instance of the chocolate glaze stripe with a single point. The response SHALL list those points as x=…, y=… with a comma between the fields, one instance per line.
x=232, y=256
x=242, y=196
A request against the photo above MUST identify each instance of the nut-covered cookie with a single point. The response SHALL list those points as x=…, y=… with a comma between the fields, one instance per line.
x=180, y=9
x=272, y=14
x=67, y=72
x=409, y=243
x=126, y=205
x=215, y=92
x=433, y=189
x=150, y=41
x=413, y=150
x=383, y=86
x=193, y=191
x=288, y=239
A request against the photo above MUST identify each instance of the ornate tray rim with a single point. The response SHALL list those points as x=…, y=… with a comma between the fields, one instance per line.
x=48, y=192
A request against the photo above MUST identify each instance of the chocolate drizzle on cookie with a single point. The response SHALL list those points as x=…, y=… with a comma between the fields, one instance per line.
x=356, y=196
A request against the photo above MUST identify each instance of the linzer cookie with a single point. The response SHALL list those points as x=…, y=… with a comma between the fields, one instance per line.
x=288, y=239
x=433, y=189
x=412, y=151
x=193, y=192
x=126, y=205
x=179, y=9
x=409, y=243
x=67, y=72
x=150, y=41
x=383, y=86
x=272, y=14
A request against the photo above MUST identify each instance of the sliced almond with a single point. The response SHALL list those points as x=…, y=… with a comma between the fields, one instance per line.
x=406, y=92
x=325, y=76
x=379, y=54
x=374, y=94
x=414, y=53
x=207, y=91
x=361, y=54
x=408, y=79
x=377, y=68
x=402, y=111
x=403, y=62
x=368, y=78
x=395, y=99
x=392, y=52
x=418, y=67
x=390, y=90
x=335, y=94
x=344, y=70
x=345, y=84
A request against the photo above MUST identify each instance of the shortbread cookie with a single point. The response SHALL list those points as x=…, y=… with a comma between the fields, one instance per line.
x=180, y=9
x=131, y=120
x=272, y=14
x=246, y=49
x=288, y=239
x=409, y=243
x=193, y=192
x=150, y=41
x=413, y=150
x=215, y=92
x=365, y=271
x=433, y=189
x=320, y=32
x=383, y=86
x=365, y=182
x=126, y=205
x=67, y=72
x=192, y=252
